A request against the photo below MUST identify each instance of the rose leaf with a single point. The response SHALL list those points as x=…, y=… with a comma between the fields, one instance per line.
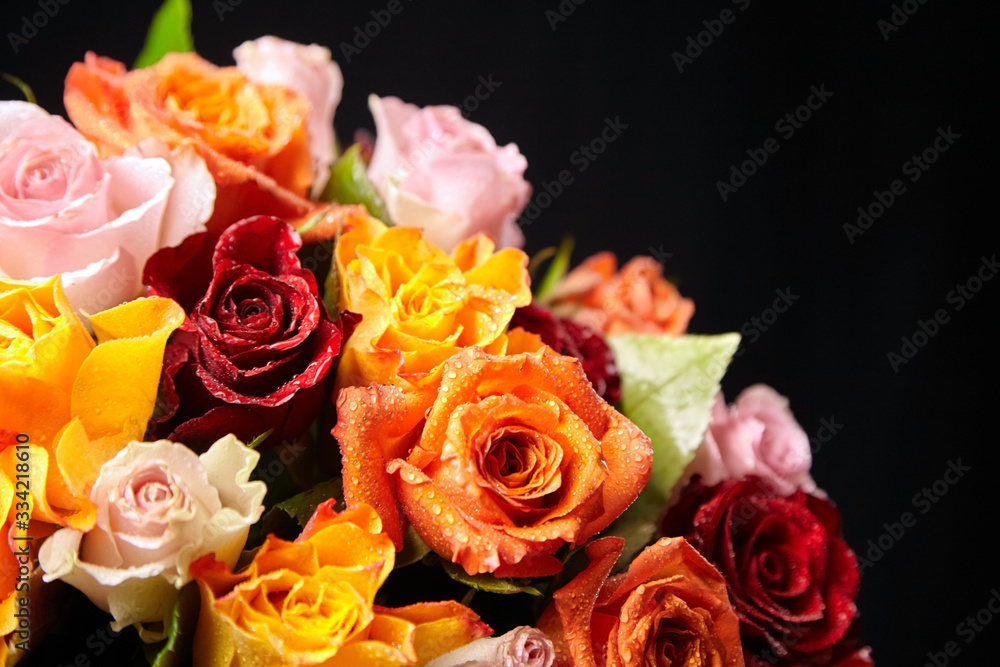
x=349, y=184
x=487, y=582
x=179, y=626
x=668, y=385
x=302, y=506
x=170, y=32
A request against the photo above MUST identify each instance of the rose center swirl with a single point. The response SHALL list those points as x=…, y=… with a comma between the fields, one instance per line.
x=522, y=464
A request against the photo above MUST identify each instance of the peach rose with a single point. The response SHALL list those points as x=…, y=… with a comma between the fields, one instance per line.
x=636, y=299
x=446, y=175
x=159, y=507
x=670, y=608
x=311, y=602
x=516, y=457
x=253, y=137
x=418, y=305
x=63, y=210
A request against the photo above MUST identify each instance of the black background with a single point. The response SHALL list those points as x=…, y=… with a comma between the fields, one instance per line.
x=655, y=189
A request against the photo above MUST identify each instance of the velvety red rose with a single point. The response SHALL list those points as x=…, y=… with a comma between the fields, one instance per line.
x=576, y=340
x=257, y=343
x=791, y=578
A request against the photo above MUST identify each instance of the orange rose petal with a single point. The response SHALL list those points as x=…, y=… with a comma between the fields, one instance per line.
x=369, y=654
x=214, y=639
x=375, y=424
x=473, y=251
x=567, y=620
x=80, y=457
x=507, y=271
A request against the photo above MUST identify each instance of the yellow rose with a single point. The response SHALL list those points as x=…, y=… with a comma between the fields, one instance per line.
x=419, y=305
x=311, y=602
x=74, y=402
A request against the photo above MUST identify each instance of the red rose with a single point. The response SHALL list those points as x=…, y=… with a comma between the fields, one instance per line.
x=257, y=343
x=576, y=340
x=791, y=578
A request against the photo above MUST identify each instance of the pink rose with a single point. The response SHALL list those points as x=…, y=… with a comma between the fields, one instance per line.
x=65, y=211
x=758, y=436
x=437, y=171
x=308, y=71
x=523, y=646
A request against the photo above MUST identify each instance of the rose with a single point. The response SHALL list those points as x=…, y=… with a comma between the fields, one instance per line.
x=791, y=578
x=253, y=137
x=77, y=402
x=65, y=211
x=310, y=72
x=446, y=175
x=257, y=343
x=670, y=608
x=310, y=602
x=418, y=305
x=758, y=436
x=635, y=299
x=516, y=456
x=522, y=647
x=159, y=507
x=576, y=340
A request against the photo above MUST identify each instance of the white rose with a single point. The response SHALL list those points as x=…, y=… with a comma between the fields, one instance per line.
x=159, y=508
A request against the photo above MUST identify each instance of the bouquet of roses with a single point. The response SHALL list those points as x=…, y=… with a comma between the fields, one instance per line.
x=264, y=403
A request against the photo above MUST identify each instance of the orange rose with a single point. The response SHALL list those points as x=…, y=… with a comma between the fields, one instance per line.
x=516, y=457
x=670, y=608
x=636, y=299
x=420, y=306
x=310, y=602
x=252, y=137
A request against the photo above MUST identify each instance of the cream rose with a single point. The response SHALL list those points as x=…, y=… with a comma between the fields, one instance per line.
x=64, y=210
x=523, y=646
x=446, y=175
x=159, y=508
x=308, y=71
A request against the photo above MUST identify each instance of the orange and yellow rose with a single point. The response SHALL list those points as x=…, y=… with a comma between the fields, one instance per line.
x=419, y=305
x=311, y=602
x=516, y=457
x=670, y=609
x=636, y=299
x=251, y=136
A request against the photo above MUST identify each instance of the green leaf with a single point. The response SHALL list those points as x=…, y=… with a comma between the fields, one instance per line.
x=556, y=270
x=668, y=387
x=179, y=626
x=487, y=582
x=414, y=548
x=349, y=184
x=302, y=506
x=25, y=89
x=331, y=286
x=170, y=32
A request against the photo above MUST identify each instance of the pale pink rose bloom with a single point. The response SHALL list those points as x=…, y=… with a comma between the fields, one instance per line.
x=446, y=175
x=65, y=211
x=160, y=507
x=308, y=71
x=757, y=435
x=521, y=647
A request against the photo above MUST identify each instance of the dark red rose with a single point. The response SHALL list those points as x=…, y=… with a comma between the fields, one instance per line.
x=257, y=343
x=791, y=578
x=576, y=340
